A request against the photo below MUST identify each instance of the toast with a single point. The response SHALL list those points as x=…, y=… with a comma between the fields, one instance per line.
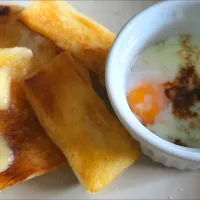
x=13, y=33
x=33, y=151
x=71, y=31
x=96, y=145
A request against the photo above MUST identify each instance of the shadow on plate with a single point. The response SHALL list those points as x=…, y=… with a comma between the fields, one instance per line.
x=55, y=182
x=59, y=179
x=143, y=173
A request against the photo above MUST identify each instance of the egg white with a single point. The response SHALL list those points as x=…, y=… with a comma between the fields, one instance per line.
x=171, y=128
x=160, y=63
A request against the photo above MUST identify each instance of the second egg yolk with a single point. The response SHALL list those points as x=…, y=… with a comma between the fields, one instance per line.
x=147, y=101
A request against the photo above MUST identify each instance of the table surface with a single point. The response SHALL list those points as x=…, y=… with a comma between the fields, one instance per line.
x=145, y=179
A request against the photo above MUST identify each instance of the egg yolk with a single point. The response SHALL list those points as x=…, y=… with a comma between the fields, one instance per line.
x=147, y=101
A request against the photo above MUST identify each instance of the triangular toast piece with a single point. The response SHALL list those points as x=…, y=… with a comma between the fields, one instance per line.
x=33, y=151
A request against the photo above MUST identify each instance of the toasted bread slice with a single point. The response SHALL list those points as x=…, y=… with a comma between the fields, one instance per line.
x=13, y=33
x=33, y=151
x=96, y=145
x=71, y=31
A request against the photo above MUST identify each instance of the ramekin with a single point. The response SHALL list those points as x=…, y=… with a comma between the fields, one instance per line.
x=155, y=23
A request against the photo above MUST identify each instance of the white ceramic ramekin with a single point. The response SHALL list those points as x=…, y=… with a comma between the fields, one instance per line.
x=155, y=23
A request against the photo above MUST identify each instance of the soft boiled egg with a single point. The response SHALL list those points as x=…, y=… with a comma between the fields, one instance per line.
x=164, y=89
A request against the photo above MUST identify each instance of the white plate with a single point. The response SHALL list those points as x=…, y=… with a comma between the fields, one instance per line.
x=145, y=179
